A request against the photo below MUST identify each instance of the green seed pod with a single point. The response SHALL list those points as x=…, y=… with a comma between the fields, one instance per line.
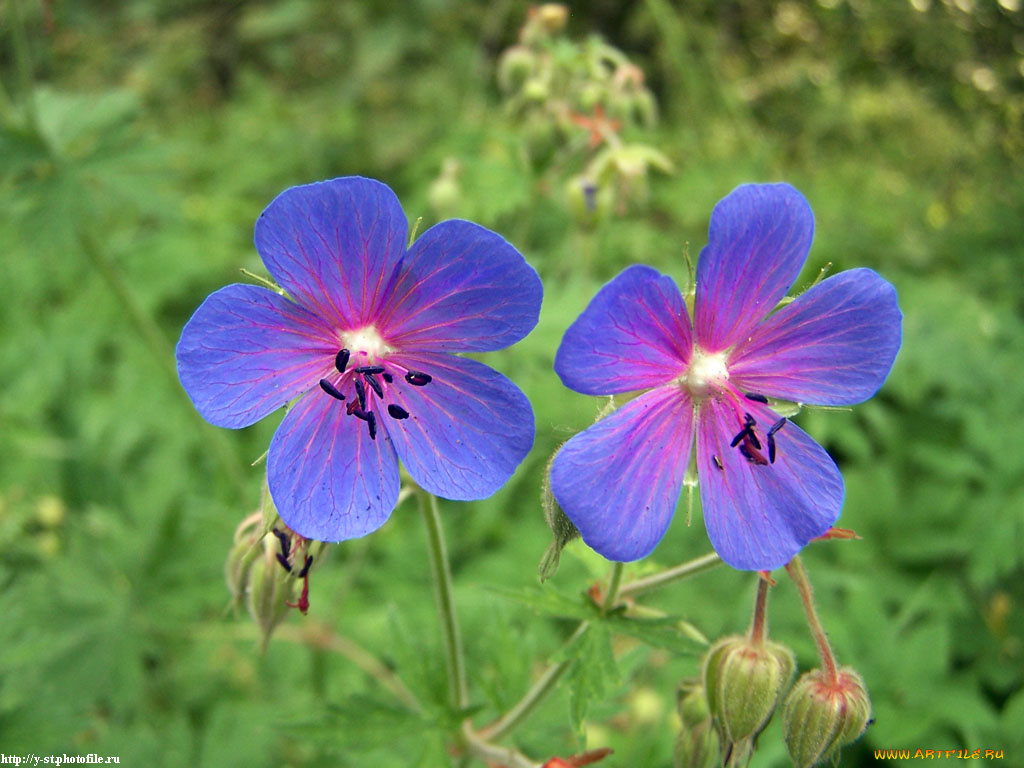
x=744, y=681
x=820, y=715
x=697, y=747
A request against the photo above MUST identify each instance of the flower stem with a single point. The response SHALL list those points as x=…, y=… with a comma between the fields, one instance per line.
x=796, y=572
x=458, y=692
x=658, y=580
x=492, y=754
x=544, y=685
x=759, y=624
x=614, y=582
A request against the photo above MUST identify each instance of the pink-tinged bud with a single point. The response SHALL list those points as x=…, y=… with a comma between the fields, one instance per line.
x=821, y=715
x=743, y=681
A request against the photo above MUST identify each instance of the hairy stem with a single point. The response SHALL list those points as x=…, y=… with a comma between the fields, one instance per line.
x=759, y=624
x=458, y=692
x=658, y=580
x=796, y=572
x=537, y=693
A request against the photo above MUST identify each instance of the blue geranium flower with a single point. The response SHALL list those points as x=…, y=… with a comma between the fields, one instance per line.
x=366, y=342
x=766, y=487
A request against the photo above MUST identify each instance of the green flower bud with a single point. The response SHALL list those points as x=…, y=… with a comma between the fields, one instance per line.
x=515, y=67
x=697, y=745
x=692, y=704
x=536, y=89
x=561, y=527
x=744, y=681
x=244, y=550
x=553, y=17
x=444, y=193
x=821, y=715
x=270, y=589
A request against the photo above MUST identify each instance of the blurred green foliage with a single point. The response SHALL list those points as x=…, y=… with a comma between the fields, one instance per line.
x=138, y=142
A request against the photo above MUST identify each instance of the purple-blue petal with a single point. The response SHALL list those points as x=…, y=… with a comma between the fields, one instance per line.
x=635, y=334
x=247, y=351
x=328, y=479
x=758, y=241
x=619, y=481
x=335, y=246
x=467, y=430
x=462, y=288
x=833, y=345
x=758, y=516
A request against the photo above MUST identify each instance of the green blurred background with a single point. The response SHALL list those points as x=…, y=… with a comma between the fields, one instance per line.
x=138, y=143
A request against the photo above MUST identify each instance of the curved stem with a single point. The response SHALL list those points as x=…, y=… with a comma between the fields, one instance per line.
x=614, y=582
x=458, y=692
x=492, y=754
x=537, y=693
x=796, y=572
x=658, y=580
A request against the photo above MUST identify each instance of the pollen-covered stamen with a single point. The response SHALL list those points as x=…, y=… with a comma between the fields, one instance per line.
x=397, y=411
x=331, y=390
x=341, y=360
x=418, y=379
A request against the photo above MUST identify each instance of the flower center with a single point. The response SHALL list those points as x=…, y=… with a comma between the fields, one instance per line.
x=707, y=374
x=373, y=384
x=366, y=343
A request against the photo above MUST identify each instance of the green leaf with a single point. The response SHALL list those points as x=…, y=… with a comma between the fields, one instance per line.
x=548, y=601
x=594, y=672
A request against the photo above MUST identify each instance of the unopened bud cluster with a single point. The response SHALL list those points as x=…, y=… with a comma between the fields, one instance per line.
x=259, y=572
x=573, y=102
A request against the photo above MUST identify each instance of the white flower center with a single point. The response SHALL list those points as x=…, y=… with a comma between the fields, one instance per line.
x=365, y=341
x=706, y=374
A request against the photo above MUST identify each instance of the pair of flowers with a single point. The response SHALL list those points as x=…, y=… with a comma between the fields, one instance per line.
x=367, y=339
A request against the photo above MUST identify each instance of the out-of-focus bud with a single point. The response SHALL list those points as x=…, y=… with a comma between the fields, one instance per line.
x=244, y=550
x=271, y=587
x=515, y=67
x=743, y=681
x=553, y=17
x=536, y=90
x=444, y=193
x=697, y=745
x=561, y=527
x=822, y=715
x=589, y=202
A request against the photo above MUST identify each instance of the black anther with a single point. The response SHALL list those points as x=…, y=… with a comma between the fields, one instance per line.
x=397, y=412
x=718, y=461
x=418, y=379
x=331, y=390
x=360, y=393
x=388, y=377
x=757, y=398
x=285, y=541
x=374, y=384
x=305, y=569
x=284, y=562
x=370, y=369
x=341, y=360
